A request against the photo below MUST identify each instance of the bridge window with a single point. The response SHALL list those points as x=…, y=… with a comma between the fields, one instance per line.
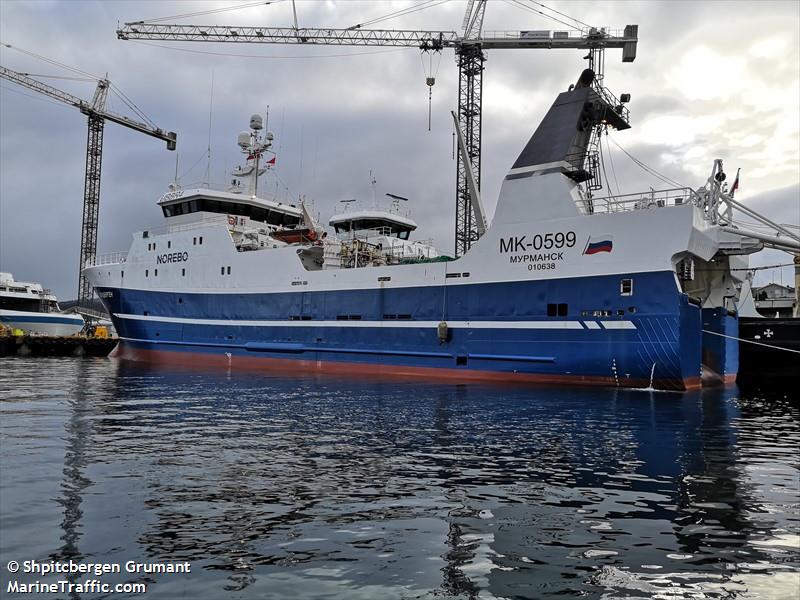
x=241, y=209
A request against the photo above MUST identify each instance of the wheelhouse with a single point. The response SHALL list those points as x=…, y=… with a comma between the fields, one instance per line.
x=276, y=214
x=384, y=223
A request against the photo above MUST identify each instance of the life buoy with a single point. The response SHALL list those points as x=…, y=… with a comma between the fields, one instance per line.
x=231, y=220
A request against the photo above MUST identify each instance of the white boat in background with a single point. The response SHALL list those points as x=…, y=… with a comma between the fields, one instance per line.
x=33, y=309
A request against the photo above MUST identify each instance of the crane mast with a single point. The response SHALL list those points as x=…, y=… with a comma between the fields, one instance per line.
x=97, y=116
x=469, y=47
x=470, y=110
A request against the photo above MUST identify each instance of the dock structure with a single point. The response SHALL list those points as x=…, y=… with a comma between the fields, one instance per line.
x=44, y=345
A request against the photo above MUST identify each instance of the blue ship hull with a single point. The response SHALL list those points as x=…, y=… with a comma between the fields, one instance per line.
x=502, y=331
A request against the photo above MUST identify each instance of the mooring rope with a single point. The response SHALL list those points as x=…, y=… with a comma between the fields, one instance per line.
x=731, y=337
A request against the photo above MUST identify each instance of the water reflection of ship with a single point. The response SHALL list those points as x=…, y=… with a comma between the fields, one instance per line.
x=535, y=460
x=460, y=552
x=86, y=397
x=676, y=464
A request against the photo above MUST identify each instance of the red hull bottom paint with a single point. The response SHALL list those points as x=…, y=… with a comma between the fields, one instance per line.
x=222, y=361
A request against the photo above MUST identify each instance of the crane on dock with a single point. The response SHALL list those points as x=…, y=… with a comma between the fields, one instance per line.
x=469, y=47
x=95, y=110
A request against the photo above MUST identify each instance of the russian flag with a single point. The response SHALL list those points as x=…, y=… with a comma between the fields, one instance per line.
x=599, y=243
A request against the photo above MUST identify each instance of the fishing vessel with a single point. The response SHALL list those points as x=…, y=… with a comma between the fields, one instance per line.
x=29, y=307
x=562, y=286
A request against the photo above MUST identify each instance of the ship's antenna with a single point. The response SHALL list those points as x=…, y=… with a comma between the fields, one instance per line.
x=280, y=131
x=372, y=182
x=302, y=134
x=314, y=163
x=396, y=201
x=175, y=181
x=210, y=112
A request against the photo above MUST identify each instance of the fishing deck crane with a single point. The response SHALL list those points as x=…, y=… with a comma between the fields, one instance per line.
x=97, y=114
x=469, y=48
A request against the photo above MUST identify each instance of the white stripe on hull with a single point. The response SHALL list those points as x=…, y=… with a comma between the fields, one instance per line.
x=387, y=323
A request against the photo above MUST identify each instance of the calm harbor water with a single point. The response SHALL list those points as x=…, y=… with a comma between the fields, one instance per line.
x=282, y=487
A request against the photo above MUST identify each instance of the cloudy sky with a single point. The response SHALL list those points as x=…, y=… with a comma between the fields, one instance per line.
x=711, y=80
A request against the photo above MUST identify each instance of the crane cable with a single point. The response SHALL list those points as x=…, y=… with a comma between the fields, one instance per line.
x=430, y=75
x=210, y=11
x=560, y=13
x=130, y=104
x=520, y=4
x=86, y=77
x=669, y=181
x=603, y=165
x=425, y=4
x=52, y=62
x=35, y=96
x=613, y=170
x=648, y=169
x=64, y=77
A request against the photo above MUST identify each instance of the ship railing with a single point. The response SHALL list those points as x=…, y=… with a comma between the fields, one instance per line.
x=612, y=101
x=364, y=234
x=203, y=185
x=242, y=190
x=644, y=200
x=109, y=258
x=174, y=228
x=418, y=249
x=352, y=252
